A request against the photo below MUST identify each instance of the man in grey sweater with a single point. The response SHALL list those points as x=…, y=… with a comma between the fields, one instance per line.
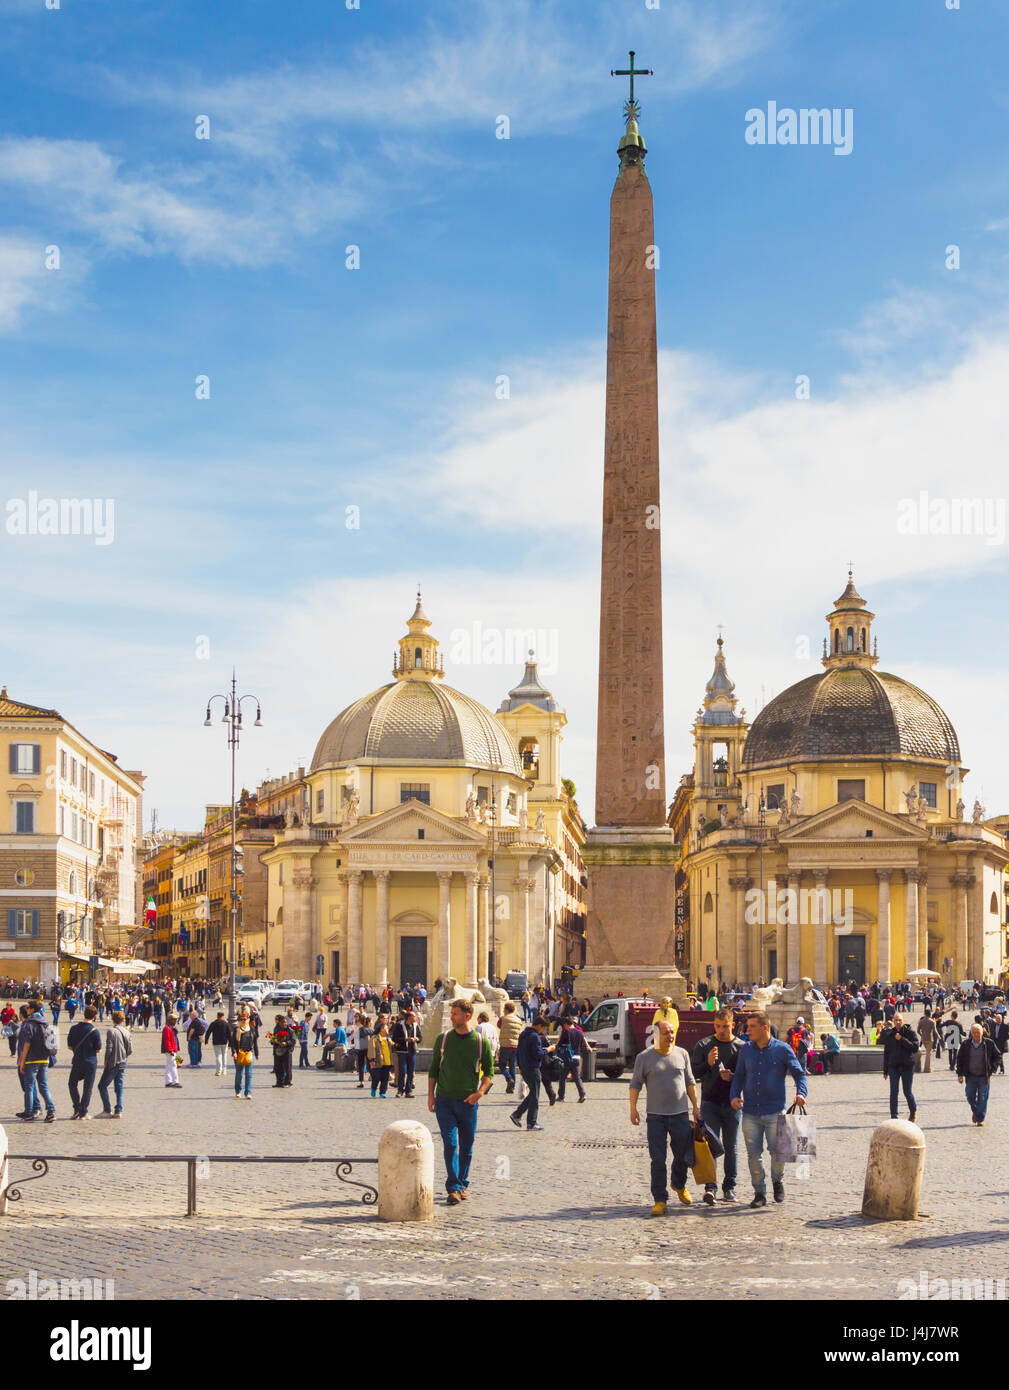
x=118, y=1048
x=665, y=1071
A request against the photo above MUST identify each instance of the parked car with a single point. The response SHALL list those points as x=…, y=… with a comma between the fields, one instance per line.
x=619, y=1029
x=287, y=991
x=251, y=993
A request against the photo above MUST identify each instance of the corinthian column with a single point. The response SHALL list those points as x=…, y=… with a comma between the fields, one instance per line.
x=794, y=881
x=483, y=947
x=736, y=967
x=922, y=920
x=822, y=917
x=472, y=945
x=444, y=924
x=975, y=925
x=911, y=961
x=355, y=945
x=382, y=927
x=522, y=886
x=883, y=926
x=960, y=882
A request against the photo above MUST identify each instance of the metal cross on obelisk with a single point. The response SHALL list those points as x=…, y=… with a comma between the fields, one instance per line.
x=632, y=72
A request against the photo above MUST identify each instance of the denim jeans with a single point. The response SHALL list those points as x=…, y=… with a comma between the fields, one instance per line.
x=35, y=1074
x=506, y=1064
x=724, y=1121
x=303, y=1061
x=56, y=1012
x=82, y=1074
x=115, y=1075
x=380, y=1080
x=457, y=1122
x=195, y=1052
x=677, y=1132
x=757, y=1128
x=243, y=1078
x=901, y=1076
x=407, y=1072
x=575, y=1072
x=977, y=1095
x=530, y=1107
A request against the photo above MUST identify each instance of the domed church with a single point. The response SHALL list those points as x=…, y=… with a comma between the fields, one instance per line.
x=426, y=809
x=828, y=838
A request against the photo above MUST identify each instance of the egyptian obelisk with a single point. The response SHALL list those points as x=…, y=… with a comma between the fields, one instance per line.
x=630, y=854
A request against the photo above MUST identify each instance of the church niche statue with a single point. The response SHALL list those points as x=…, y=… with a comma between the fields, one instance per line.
x=977, y=815
x=911, y=796
x=723, y=816
x=289, y=818
x=471, y=807
x=960, y=808
x=541, y=824
x=352, y=807
x=794, y=804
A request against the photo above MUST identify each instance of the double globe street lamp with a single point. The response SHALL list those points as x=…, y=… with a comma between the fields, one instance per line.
x=233, y=718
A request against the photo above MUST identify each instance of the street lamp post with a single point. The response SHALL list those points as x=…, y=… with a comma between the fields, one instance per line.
x=492, y=964
x=233, y=718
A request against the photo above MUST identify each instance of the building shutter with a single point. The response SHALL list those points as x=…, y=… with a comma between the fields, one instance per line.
x=12, y=921
x=35, y=921
x=36, y=758
x=12, y=757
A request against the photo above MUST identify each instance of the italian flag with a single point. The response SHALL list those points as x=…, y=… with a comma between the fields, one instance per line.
x=151, y=915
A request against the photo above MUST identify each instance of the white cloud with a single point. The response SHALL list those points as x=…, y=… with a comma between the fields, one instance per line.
x=25, y=282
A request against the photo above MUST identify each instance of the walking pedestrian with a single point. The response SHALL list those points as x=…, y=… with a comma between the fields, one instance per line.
x=194, y=1037
x=758, y=1089
x=664, y=1070
x=406, y=1042
x=952, y=1038
x=85, y=1042
x=531, y=1053
x=900, y=1045
x=572, y=1046
x=282, y=1039
x=319, y=1027
x=244, y=1040
x=509, y=1032
x=171, y=1048
x=362, y=1042
x=219, y=1038
x=380, y=1057
x=927, y=1036
x=303, y=1037
x=713, y=1062
x=977, y=1058
x=460, y=1075
x=118, y=1048
x=36, y=1050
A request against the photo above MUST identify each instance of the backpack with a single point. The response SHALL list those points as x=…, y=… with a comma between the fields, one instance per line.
x=50, y=1039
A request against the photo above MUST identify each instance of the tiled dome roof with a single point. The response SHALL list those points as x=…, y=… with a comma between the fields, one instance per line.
x=848, y=714
x=418, y=721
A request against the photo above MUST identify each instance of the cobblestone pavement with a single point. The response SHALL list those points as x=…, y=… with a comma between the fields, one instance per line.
x=569, y=1205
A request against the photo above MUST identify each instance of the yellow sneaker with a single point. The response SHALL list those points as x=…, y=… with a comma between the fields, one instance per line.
x=659, y=1209
x=684, y=1196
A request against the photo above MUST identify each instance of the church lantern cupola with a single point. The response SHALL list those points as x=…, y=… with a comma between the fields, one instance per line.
x=418, y=658
x=850, y=641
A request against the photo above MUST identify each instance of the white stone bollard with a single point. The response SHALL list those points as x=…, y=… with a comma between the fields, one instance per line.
x=894, y=1171
x=406, y=1172
x=5, y=1171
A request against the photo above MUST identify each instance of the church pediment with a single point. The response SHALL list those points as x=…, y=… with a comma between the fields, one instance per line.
x=401, y=824
x=851, y=820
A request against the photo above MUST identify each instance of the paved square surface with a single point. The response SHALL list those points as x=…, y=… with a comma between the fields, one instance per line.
x=562, y=1214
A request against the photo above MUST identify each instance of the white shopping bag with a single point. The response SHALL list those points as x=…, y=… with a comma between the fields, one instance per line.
x=795, y=1137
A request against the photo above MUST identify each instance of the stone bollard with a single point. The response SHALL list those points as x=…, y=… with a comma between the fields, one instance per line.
x=894, y=1171
x=5, y=1171
x=406, y=1172
x=856, y=1038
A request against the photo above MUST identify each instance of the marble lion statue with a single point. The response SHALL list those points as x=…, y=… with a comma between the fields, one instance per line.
x=768, y=994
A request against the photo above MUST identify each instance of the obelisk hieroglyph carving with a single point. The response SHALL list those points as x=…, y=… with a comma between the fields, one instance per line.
x=630, y=852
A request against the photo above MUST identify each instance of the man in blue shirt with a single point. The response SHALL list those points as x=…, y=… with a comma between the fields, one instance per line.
x=758, y=1089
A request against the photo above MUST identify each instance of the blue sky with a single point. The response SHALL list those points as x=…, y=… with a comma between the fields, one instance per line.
x=480, y=257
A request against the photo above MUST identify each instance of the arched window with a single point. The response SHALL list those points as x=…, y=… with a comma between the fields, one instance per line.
x=708, y=904
x=72, y=883
x=837, y=640
x=863, y=639
x=993, y=905
x=851, y=639
x=418, y=657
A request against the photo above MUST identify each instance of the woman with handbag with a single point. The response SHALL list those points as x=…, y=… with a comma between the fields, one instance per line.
x=170, y=1048
x=244, y=1047
x=362, y=1043
x=380, y=1057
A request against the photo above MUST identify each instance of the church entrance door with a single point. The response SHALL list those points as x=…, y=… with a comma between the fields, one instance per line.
x=413, y=960
x=851, y=960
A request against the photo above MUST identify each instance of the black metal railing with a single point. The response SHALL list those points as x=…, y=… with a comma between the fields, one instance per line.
x=40, y=1167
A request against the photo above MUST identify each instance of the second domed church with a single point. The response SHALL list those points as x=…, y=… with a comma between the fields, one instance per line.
x=441, y=839
x=829, y=838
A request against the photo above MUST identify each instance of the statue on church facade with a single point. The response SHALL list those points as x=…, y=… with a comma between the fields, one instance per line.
x=541, y=824
x=794, y=804
x=471, y=807
x=289, y=818
x=723, y=815
x=352, y=806
x=911, y=797
x=960, y=808
x=977, y=815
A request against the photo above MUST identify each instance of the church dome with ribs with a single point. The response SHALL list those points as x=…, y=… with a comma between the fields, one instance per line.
x=851, y=712
x=417, y=718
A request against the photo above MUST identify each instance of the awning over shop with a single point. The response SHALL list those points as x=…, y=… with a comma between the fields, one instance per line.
x=118, y=967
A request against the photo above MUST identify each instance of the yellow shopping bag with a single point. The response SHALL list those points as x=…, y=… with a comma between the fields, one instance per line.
x=704, y=1163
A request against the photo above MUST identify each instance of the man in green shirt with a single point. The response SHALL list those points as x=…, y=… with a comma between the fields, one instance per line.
x=462, y=1068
